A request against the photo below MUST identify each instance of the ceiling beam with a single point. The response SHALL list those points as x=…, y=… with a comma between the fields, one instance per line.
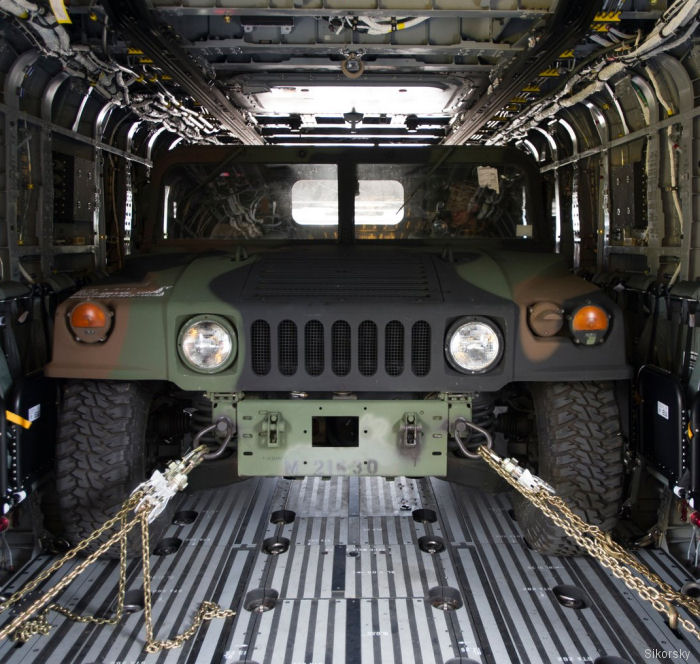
x=140, y=32
x=566, y=27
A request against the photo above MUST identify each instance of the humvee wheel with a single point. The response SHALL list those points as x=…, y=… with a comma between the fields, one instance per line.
x=101, y=455
x=579, y=452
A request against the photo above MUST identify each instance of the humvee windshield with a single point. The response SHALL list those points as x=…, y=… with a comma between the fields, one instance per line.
x=259, y=201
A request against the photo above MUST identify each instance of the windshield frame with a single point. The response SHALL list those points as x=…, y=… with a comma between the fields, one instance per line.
x=347, y=160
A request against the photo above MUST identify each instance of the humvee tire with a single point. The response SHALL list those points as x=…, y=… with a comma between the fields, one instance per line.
x=580, y=453
x=101, y=455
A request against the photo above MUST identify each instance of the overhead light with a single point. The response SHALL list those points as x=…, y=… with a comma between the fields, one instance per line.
x=366, y=99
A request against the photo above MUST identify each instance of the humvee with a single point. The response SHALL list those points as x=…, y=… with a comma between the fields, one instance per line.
x=341, y=311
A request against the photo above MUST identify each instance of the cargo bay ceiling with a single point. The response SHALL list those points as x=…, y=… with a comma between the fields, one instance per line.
x=601, y=94
x=327, y=71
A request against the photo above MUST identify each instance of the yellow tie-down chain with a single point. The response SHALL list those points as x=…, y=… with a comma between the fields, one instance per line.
x=146, y=502
x=597, y=543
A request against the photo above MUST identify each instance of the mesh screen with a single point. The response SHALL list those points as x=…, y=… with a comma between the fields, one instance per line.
x=340, y=341
x=260, y=347
x=287, y=345
x=313, y=347
x=420, y=348
x=367, y=348
x=393, y=348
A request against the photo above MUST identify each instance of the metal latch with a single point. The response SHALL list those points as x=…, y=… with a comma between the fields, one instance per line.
x=410, y=430
x=272, y=430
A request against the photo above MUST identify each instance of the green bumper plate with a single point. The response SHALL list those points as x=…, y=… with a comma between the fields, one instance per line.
x=342, y=437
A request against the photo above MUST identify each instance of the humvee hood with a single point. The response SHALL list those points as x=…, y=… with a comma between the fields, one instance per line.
x=366, y=274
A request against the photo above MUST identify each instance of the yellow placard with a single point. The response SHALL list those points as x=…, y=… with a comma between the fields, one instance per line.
x=16, y=419
x=58, y=7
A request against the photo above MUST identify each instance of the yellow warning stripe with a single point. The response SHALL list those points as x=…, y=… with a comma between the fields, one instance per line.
x=16, y=419
x=606, y=17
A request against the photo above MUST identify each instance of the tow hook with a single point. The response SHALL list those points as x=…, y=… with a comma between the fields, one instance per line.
x=411, y=430
x=223, y=426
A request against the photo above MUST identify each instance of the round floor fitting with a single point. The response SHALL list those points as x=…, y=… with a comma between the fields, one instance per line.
x=571, y=597
x=424, y=516
x=260, y=600
x=273, y=546
x=691, y=589
x=184, y=518
x=133, y=601
x=282, y=517
x=444, y=598
x=167, y=546
x=431, y=544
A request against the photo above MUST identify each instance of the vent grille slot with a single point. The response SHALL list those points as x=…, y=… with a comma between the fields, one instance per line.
x=313, y=347
x=367, y=348
x=340, y=348
x=287, y=344
x=420, y=348
x=260, y=347
x=393, y=348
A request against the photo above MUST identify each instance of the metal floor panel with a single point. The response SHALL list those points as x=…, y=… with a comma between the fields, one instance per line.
x=354, y=585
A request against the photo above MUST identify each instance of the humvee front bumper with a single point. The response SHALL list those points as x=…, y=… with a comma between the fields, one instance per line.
x=325, y=437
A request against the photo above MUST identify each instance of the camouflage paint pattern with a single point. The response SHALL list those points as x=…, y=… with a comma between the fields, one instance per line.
x=487, y=279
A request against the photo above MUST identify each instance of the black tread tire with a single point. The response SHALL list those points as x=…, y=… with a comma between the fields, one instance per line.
x=101, y=457
x=580, y=453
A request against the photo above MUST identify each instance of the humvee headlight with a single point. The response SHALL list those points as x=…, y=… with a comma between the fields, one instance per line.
x=207, y=344
x=473, y=345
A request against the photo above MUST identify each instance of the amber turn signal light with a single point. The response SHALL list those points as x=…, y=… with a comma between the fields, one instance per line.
x=90, y=322
x=589, y=324
x=88, y=314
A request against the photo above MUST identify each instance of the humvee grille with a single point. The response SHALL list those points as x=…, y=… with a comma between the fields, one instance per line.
x=361, y=343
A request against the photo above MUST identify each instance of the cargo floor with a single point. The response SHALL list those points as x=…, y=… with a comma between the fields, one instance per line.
x=355, y=586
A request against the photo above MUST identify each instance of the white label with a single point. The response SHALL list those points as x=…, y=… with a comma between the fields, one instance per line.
x=662, y=409
x=488, y=177
x=523, y=230
x=34, y=413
